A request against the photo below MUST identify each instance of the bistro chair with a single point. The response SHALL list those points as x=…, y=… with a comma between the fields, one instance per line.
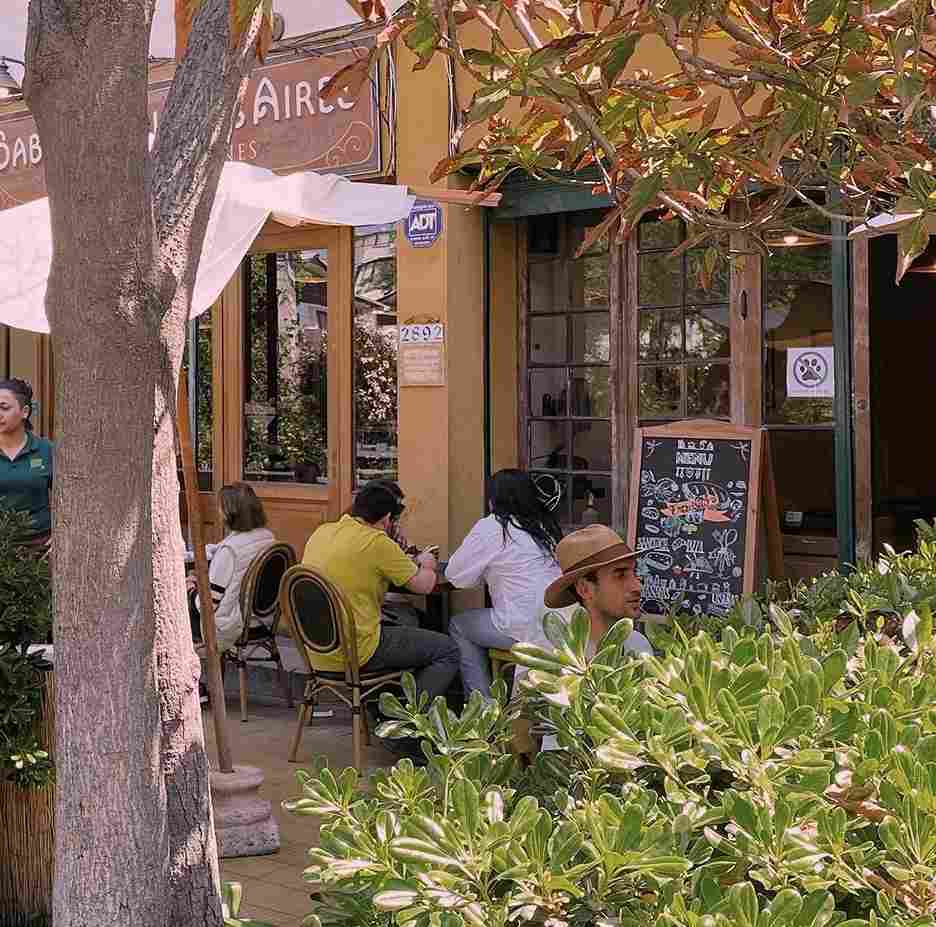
x=260, y=608
x=322, y=623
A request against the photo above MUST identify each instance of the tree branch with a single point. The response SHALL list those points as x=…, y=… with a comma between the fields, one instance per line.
x=193, y=134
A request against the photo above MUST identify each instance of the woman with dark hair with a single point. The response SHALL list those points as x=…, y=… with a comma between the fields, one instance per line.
x=512, y=550
x=245, y=536
x=25, y=462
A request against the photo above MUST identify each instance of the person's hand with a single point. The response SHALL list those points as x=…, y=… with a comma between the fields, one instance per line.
x=427, y=559
x=191, y=583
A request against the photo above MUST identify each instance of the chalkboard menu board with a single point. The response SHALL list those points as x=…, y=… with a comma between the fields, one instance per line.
x=695, y=490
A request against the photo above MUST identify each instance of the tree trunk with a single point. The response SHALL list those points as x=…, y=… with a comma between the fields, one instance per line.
x=134, y=839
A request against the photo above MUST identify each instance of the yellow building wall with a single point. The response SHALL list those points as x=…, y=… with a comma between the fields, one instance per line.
x=28, y=356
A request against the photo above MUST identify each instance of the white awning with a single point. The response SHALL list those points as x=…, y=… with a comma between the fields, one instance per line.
x=247, y=196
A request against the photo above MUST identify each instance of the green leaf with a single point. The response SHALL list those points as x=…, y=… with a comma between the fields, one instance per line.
x=833, y=669
x=912, y=240
x=618, y=57
x=467, y=805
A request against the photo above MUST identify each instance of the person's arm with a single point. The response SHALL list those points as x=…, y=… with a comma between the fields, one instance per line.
x=467, y=566
x=400, y=570
x=220, y=574
x=427, y=577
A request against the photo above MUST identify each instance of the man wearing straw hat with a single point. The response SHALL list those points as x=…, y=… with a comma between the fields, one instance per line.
x=599, y=575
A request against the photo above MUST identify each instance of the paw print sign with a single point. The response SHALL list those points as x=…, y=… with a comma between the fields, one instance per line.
x=810, y=373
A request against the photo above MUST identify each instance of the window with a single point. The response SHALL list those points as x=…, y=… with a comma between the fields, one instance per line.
x=376, y=401
x=285, y=366
x=568, y=363
x=684, y=348
x=201, y=399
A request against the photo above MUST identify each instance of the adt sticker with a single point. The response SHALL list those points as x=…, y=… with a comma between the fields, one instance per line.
x=424, y=224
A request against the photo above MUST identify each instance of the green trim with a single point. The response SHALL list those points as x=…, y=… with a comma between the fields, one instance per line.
x=844, y=426
x=523, y=195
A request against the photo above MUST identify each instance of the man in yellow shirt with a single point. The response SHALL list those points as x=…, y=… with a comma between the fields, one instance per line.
x=358, y=555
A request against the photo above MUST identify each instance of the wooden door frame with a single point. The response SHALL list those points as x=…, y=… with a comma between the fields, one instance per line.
x=229, y=381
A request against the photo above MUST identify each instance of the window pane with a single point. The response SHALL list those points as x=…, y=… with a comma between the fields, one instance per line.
x=548, y=392
x=589, y=281
x=548, y=445
x=797, y=317
x=660, y=280
x=661, y=334
x=375, y=354
x=285, y=389
x=591, y=393
x=707, y=333
x=656, y=234
x=660, y=392
x=204, y=401
x=548, y=340
x=591, y=338
x=592, y=446
x=708, y=391
x=591, y=500
x=542, y=285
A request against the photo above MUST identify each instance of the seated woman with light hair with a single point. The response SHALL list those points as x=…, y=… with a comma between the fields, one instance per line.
x=245, y=536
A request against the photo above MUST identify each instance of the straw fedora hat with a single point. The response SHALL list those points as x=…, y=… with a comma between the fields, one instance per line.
x=578, y=554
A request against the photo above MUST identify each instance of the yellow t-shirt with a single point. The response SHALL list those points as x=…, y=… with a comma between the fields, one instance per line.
x=363, y=562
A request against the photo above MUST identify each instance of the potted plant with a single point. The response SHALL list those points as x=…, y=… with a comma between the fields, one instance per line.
x=780, y=773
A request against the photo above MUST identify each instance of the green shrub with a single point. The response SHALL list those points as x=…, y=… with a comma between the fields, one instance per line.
x=779, y=774
x=25, y=618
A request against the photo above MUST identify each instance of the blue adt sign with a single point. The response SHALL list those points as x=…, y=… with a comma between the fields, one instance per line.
x=424, y=224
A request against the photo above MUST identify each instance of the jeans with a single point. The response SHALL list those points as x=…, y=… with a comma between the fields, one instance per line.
x=432, y=657
x=475, y=634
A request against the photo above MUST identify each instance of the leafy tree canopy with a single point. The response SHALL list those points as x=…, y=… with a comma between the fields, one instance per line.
x=765, y=103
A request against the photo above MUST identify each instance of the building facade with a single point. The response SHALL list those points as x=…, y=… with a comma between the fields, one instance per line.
x=472, y=338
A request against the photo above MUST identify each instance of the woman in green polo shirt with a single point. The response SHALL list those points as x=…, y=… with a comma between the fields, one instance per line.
x=25, y=462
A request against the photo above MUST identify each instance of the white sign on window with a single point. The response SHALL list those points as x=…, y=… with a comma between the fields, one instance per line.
x=810, y=373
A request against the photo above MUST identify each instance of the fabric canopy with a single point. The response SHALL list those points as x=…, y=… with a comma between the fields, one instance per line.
x=247, y=196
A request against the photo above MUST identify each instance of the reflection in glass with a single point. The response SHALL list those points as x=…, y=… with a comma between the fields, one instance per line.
x=797, y=314
x=375, y=354
x=660, y=280
x=707, y=333
x=548, y=393
x=548, y=335
x=588, y=281
x=655, y=234
x=659, y=392
x=708, y=391
x=285, y=371
x=542, y=285
x=591, y=500
x=548, y=444
x=661, y=334
x=591, y=393
x=591, y=446
x=591, y=338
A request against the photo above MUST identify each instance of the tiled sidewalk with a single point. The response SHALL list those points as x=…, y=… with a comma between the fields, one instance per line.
x=274, y=890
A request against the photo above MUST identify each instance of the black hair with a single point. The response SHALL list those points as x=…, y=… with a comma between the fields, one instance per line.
x=390, y=485
x=24, y=396
x=591, y=577
x=515, y=501
x=374, y=502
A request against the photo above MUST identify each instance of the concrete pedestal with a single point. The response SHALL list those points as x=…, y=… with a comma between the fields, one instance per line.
x=243, y=823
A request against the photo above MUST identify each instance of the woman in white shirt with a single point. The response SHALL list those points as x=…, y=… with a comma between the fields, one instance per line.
x=512, y=551
x=245, y=536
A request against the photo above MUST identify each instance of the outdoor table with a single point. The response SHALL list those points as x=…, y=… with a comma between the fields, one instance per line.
x=438, y=602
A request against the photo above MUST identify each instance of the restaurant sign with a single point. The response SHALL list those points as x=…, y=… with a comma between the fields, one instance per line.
x=283, y=124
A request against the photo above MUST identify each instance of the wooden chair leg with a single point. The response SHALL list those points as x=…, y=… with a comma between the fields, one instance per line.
x=356, y=739
x=365, y=727
x=304, y=709
x=242, y=672
x=286, y=680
